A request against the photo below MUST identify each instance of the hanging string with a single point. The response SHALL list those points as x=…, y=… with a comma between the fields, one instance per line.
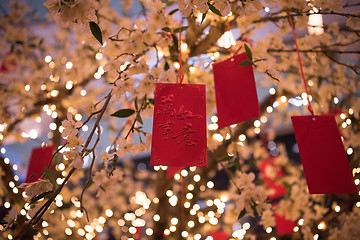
x=180, y=60
x=228, y=26
x=182, y=198
x=301, y=68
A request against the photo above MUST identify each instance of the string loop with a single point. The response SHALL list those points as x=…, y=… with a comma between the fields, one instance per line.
x=181, y=76
x=301, y=68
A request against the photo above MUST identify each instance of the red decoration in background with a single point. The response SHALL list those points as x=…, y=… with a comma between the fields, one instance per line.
x=283, y=225
x=179, y=126
x=235, y=89
x=271, y=172
x=40, y=157
x=326, y=166
x=220, y=235
x=8, y=64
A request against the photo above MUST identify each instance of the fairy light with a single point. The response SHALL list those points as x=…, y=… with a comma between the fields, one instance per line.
x=337, y=208
x=169, y=193
x=316, y=236
x=336, y=100
x=54, y=93
x=191, y=224
x=342, y=116
x=209, y=203
x=266, y=9
x=272, y=91
x=257, y=123
x=89, y=236
x=173, y=200
x=189, y=196
x=210, y=184
x=149, y=231
x=246, y=226
x=69, y=85
x=156, y=168
x=78, y=117
x=15, y=167
x=269, y=230
x=48, y=59
x=184, y=234
x=296, y=229
x=269, y=109
x=83, y=92
x=98, y=56
x=283, y=99
x=263, y=119
x=187, y=205
x=27, y=88
x=176, y=65
x=351, y=111
x=97, y=75
x=184, y=173
x=301, y=222
x=7, y=205
x=349, y=151
x=69, y=65
x=156, y=218
x=109, y=213
x=214, y=119
x=321, y=225
x=357, y=181
x=99, y=228
x=51, y=64
x=218, y=137
x=197, y=178
x=197, y=236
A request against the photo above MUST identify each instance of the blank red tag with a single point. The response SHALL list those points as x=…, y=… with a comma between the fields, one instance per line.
x=326, y=166
x=179, y=127
x=235, y=90
x=40, y=157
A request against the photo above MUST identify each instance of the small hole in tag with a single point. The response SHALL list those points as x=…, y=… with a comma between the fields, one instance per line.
x=313, y=118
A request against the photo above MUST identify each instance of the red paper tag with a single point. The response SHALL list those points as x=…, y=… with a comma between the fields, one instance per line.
x=326, y=166
x=179, y=127
x=40, y=157
x=235, y=89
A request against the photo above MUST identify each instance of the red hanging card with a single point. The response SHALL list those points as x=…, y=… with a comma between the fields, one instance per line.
x=179, y=127
x=326, y=166
x=40, y=157
x=235, y=90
